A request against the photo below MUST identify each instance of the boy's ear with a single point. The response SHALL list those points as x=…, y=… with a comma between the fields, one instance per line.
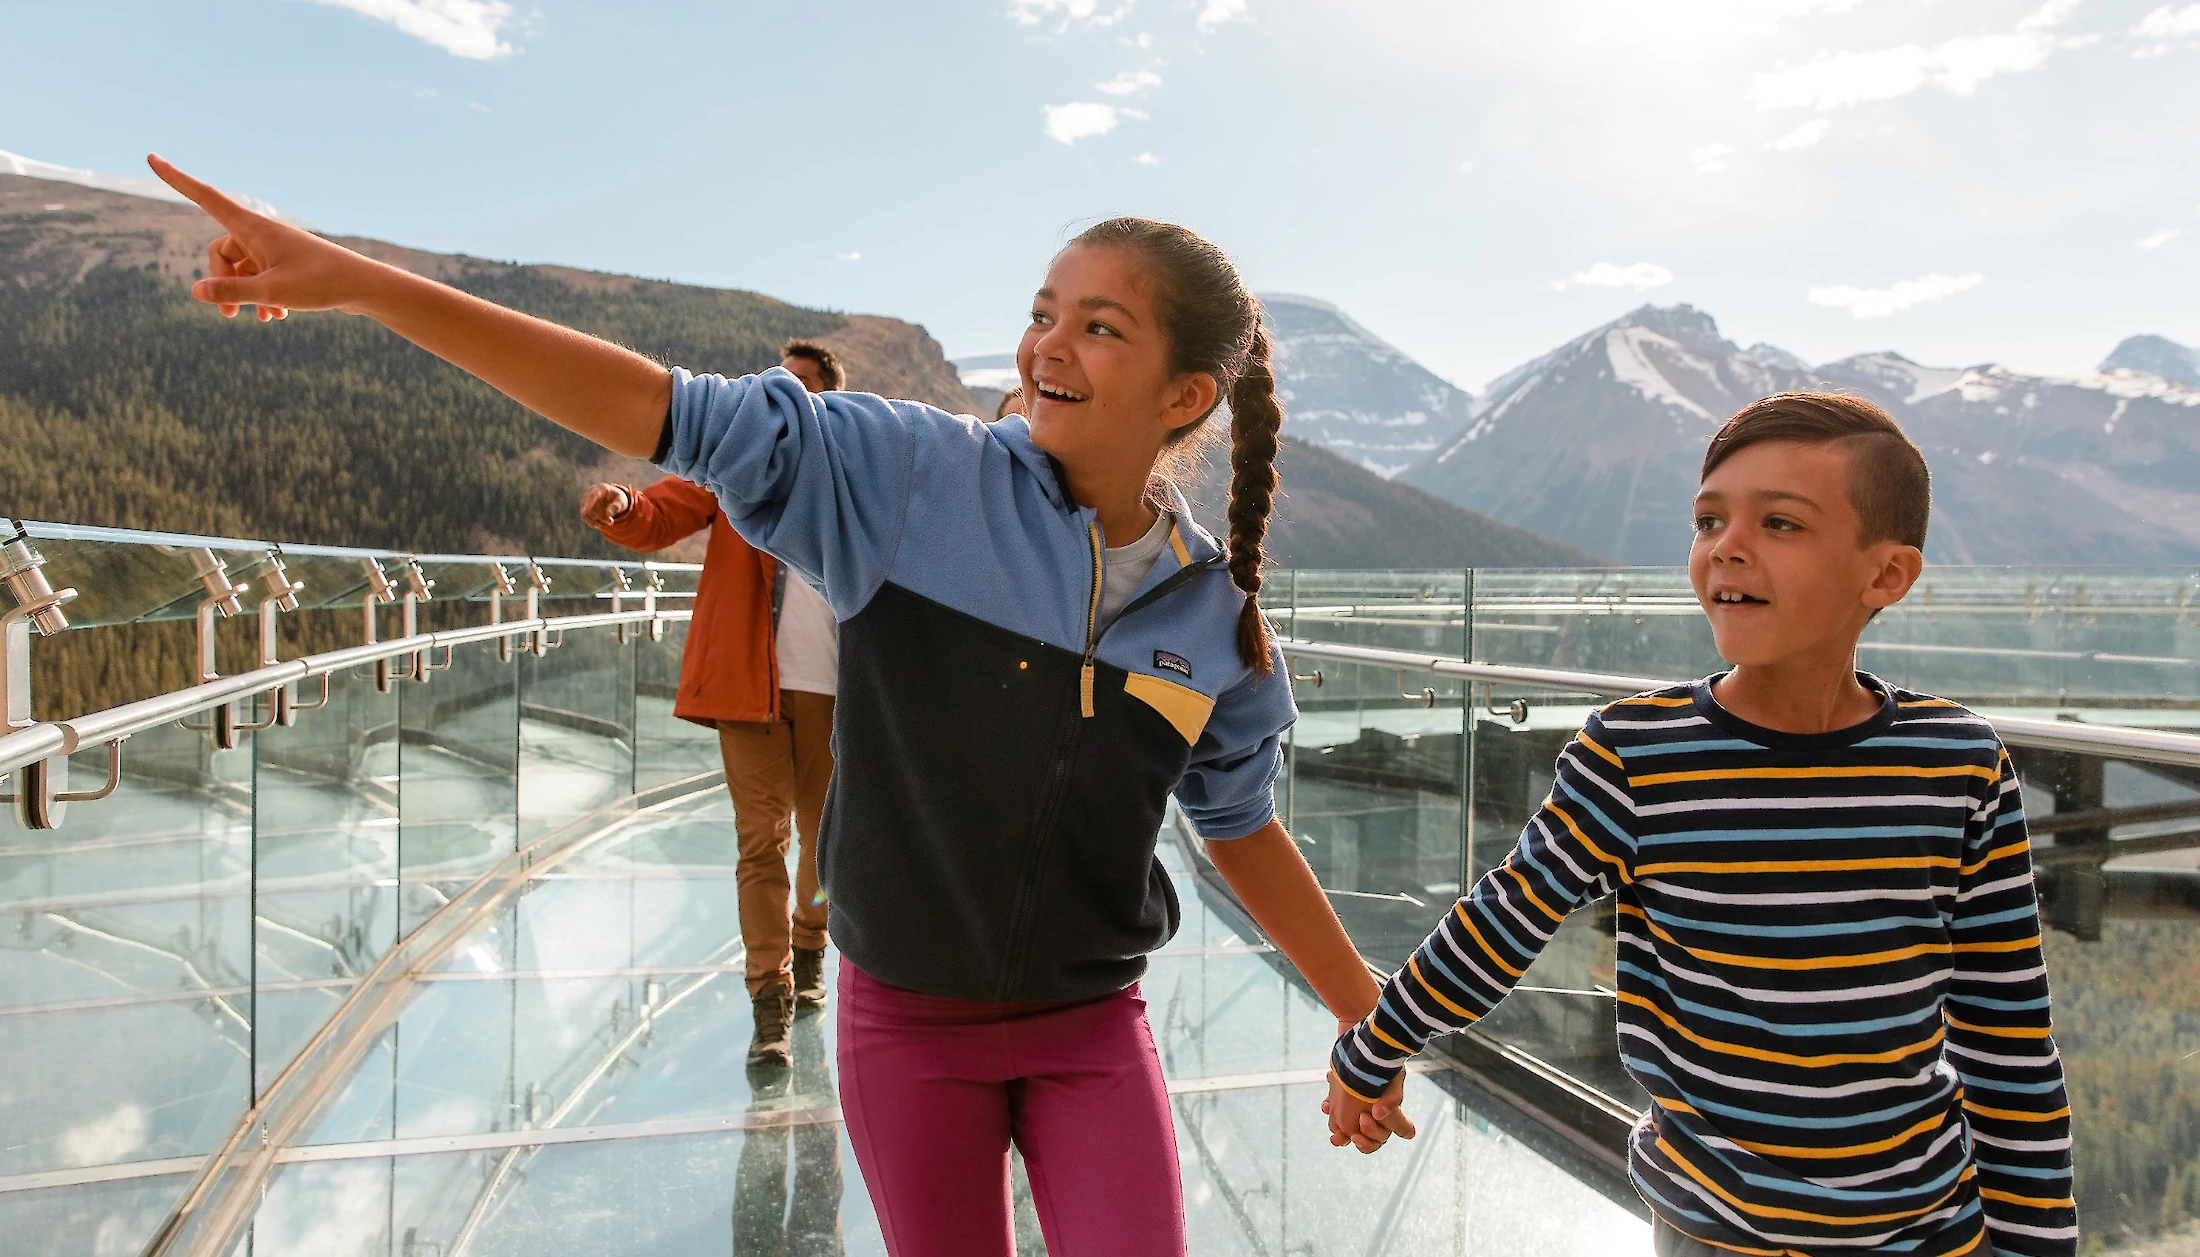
x=1899, y=568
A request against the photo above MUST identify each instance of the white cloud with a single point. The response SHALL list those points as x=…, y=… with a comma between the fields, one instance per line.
x=1801, y=137
x=1069, y=12
x=1216, y=12
x=1466, y=167
x=1956, y=67
x=1083, y=119
x=1147, y=159
x=463, y=28
x=1711, y=158
x=2050, y=15
x=1878, y=303
x=2168, y=23
x=1128, y=82
x=1640, y=276
x=2158, y=239
x=849, y=257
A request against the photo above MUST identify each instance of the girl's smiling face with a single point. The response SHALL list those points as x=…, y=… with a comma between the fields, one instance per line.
x=1100, y=390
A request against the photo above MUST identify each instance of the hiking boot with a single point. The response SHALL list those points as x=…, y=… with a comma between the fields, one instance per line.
x=774, y=1016
x=809, y=977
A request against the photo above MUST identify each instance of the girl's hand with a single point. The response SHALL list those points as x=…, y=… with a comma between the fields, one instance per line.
x=1366, y=1126
x=268, y=264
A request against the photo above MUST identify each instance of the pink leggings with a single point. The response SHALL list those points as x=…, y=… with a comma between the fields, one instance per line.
x=935, y=1090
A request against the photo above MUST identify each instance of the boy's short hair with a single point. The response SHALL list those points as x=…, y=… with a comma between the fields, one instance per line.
x=828, y=362
x=1888, y=483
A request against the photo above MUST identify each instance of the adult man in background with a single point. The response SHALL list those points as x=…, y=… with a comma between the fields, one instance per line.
x=761, y=666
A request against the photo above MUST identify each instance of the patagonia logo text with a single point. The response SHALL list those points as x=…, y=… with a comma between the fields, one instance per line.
x=1174, y=663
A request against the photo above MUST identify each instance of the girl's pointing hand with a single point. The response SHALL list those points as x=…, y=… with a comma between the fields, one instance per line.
x=267, y=263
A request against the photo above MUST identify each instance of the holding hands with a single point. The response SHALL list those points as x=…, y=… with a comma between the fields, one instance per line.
x=1366, y=1126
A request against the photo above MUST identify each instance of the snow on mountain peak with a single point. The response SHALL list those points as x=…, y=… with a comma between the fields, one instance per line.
x=2155, y=355
x=128, y=185
x=1354, y=393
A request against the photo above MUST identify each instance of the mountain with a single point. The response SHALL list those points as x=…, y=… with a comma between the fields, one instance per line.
x=1598, y=443
x=2156, y=355
x=1334, y=513
x=123, y=402
x=1355, y=394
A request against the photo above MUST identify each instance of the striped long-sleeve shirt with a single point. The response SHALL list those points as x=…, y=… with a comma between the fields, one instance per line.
x=1830, y=975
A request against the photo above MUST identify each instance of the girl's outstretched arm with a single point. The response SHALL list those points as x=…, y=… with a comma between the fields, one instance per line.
x=611, y=395
x=1281, y=892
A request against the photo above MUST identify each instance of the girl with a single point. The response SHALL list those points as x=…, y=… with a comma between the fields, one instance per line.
x=1038, y=646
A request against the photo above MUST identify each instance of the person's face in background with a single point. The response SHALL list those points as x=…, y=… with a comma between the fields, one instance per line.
x=805, y=370
x=1011, y=404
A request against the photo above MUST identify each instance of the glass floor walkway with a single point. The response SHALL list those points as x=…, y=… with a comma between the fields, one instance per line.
x=570, y=1079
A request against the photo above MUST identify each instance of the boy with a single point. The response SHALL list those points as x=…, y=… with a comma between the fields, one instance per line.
x=1830, y=975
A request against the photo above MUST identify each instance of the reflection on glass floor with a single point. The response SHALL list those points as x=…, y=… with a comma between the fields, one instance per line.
x=572, y=1080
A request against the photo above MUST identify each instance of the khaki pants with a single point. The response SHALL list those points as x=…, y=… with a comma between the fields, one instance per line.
x=777, y=773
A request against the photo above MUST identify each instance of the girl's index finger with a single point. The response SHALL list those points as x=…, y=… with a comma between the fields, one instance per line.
x=207, y=197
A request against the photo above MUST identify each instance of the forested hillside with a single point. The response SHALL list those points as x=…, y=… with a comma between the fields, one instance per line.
x=123, y=402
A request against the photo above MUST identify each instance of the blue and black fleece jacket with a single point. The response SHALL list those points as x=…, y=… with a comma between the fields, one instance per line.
x=1003, y=761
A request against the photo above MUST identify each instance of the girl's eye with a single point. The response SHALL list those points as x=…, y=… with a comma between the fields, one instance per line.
x=1705, y=523
x=1100, y=329
x=1039, y=317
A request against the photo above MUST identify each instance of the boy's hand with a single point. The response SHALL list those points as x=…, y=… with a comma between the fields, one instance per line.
x=1366, y=1126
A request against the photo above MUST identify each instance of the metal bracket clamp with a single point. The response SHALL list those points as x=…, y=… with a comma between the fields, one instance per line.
x=619, y=588
x=1517, y=709
x=1426, y=698
x=37, y=606
x=279, y=594
x=418, y=589
x=42, y=795
x=650, y=589
x=500, y=588
x=538, y=642
x=378, y=590
x=1313, y=678
x=222, y=600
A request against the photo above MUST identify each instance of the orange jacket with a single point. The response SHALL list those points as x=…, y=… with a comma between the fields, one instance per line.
x=730, y=669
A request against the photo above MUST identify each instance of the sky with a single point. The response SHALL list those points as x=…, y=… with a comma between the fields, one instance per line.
x=1962, y=181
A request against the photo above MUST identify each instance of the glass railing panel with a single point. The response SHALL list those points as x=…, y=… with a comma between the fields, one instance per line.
x=2116, y=848
x=126, y=962
x=666, y=748
x=326, y=818
x=1403, y=610
x=576, y=740
x=1372, y=794
x=124, y=577
x=2121, y=640
x=1633, y=621
x=1563, y=1013
x=459, y=770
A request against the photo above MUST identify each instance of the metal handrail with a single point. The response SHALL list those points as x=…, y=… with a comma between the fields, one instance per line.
x=2151, y=746
x=63, y=737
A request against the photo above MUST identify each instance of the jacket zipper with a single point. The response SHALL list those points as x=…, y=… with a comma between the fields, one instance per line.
x=1050, y=805
x=1092, y=621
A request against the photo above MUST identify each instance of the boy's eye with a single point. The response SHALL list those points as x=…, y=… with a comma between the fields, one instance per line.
x=1778, y=524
